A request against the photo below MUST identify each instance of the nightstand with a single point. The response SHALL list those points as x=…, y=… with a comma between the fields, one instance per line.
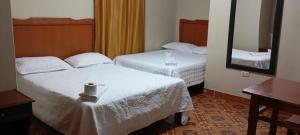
x=15, y=113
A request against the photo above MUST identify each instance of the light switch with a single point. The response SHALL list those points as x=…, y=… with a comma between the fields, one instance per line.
x=245, y=74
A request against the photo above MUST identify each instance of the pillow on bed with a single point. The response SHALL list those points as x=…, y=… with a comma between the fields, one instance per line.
x=30, y=65
x=186, y=47
x=200, y=50
x=88, y=59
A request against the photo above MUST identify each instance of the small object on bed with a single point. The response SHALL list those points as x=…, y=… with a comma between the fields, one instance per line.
x=90, y=89
x=170, y=59
x=92, y=92
x=86, y=97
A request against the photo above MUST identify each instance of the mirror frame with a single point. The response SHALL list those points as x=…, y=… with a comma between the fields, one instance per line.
x=275, y=43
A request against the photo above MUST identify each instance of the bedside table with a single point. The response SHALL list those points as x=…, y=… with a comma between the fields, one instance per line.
x=15, y=113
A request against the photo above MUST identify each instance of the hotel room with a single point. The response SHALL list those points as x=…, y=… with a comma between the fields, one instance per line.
x=149, y=67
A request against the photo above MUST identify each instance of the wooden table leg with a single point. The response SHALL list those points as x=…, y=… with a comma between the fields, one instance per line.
x=253, y=115
x=273, y=123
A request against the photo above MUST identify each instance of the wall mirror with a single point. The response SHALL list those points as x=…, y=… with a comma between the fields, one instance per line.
x=254, y=34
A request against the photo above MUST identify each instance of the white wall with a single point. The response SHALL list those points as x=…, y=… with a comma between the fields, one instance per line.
x=162, y=19
x=289, y=49
x=266, y=18
x=160, y=23
x=246, y=31
x=53, y=8
x=7, y=58
x=191, y=9
x=229, y=80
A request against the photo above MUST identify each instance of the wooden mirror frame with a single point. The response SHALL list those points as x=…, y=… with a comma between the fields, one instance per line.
x=275, y=43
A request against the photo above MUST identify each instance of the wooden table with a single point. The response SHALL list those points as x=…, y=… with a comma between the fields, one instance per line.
x=277, y=94
x=15, y=113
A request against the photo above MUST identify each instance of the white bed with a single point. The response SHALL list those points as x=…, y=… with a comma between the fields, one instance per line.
x=189, y=66
x=252, y=59
x=134, y=99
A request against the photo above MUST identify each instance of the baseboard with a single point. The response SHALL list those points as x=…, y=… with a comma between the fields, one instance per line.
x=228, y=96
x=234, y=98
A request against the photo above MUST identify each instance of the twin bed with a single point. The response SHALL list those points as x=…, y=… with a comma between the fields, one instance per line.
x=188, y=66
x=125, y=107
x=134, y=99
x=189, y=56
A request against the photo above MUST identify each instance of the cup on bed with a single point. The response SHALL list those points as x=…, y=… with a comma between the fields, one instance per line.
x=170, y=59
x=90, y=89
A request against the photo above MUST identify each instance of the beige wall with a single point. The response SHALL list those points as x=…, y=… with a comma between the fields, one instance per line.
x=246, y=31
x=52, y=8
x=191, y=9
x=162, y=19
x=289, y=50
x=230, y=81
x=160, y=23
x=7, y=59
x=266, y=18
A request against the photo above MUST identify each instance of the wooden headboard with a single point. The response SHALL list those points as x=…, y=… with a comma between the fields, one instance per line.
x=61, y=37
x=194, y=32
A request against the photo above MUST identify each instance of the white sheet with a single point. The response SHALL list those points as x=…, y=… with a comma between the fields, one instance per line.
x=251, y=59
x=190, y=67
x=134, y=99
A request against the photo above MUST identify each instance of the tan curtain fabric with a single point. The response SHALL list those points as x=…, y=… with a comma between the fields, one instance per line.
x=120, y=26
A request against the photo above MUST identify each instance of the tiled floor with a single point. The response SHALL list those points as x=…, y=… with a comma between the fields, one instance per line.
x=211, y=116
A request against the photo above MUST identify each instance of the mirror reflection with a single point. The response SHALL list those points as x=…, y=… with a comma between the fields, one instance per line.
x=253, y=33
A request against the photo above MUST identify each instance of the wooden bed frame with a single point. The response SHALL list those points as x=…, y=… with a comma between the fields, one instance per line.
x=61, y=37
x=193, y=31
x=64, y=37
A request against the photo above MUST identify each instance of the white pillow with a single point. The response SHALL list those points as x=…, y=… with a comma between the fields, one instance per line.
x=30, y=65
x=200, y=50
x=88, y=59
x=186, y=47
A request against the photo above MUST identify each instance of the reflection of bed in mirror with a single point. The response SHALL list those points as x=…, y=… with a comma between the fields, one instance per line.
x=259, y=60
x=254, y=34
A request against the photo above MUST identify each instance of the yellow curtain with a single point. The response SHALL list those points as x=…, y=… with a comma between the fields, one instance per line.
x=119, y=26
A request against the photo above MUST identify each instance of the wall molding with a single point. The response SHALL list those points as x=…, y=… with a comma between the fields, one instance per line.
x=226, y=96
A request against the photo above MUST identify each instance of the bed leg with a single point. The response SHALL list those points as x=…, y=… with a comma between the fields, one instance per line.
x=182, y=118
x=196, y=89
x=178, y=117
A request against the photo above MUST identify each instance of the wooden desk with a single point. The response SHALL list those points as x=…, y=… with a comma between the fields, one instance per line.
x=15, y=113
x=278, y=94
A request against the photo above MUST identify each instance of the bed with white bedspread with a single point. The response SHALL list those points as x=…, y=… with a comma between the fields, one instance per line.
x=133, y=100
x=252, y=59
x=188, y=66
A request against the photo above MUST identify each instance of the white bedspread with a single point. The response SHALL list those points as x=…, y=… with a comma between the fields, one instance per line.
x=251, y=59
x=190, y=67
x=134, y=99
